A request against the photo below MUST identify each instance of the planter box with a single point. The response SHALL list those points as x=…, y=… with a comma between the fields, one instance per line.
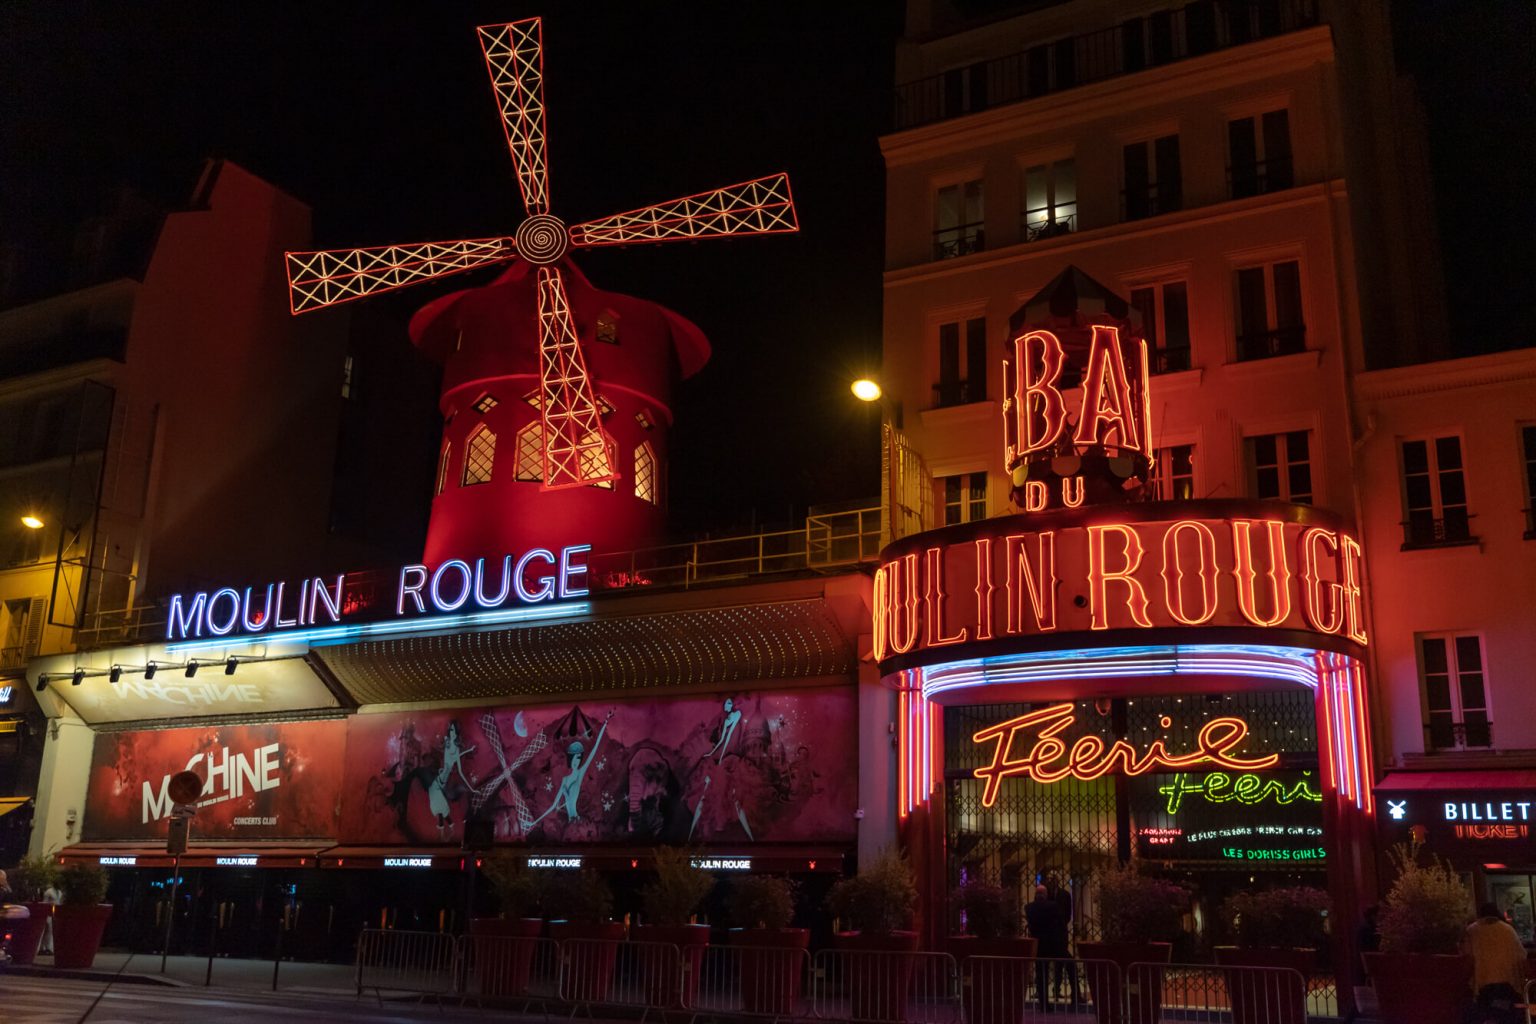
x=587, y=962
x=1420, y=988
x=994, y=991
x=1141, y=993
x=672, y=979
x=503, y=952
x=876, y=974
x=772, y=962
x=1262, y=994
x=77, y=934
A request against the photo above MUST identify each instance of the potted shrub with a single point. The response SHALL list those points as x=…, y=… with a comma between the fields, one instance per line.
x=504, y=946
x=996, y=989
x=589, y=938
x=30, y=879
x=1140, y=917
x=877, y=905
x=82, y=917
x=669, y=904
x=1276, y=928
x=1420, y=975
x=760, y=909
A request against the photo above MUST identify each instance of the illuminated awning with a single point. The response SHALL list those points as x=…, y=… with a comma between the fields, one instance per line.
x=1488, y=780
x=721, y=860
x=11, y=803
x=245, y=855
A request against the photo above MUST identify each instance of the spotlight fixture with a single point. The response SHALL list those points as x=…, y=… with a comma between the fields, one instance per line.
x=77, y=678
x=31, y=522
x=229, y=666
x=115, y=673
x=149, y=670
x=42, y=683
x=191, y=668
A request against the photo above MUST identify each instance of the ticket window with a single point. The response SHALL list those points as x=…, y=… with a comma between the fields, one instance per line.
x=1513, y=894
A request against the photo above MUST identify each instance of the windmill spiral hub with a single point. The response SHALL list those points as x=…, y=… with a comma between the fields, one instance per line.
x=543, y=239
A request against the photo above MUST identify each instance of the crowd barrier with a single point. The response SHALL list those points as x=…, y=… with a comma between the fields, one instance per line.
x=859, y=986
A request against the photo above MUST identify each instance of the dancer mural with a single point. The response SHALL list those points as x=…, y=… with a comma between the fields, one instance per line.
x=758, y=767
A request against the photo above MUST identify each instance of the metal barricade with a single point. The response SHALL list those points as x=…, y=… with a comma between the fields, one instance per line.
x=1011, y=990
x=1203, y=992
x=513, y=969
x=424, y=963
x=615, y=972
x=767, y=981
x=886, y=987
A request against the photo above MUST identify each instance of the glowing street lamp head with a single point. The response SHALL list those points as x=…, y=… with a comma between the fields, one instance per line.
x=866, y=390
x=31, y=522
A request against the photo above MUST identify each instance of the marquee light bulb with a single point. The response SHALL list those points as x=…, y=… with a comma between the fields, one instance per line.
x=866, y=390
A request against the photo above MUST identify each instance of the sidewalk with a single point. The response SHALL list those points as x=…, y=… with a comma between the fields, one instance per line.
x=192, y=971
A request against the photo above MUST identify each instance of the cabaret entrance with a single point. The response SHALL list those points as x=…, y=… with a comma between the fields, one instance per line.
x=1176, y=683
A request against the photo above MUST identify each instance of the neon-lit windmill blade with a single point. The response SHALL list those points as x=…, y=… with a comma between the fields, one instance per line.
x=577, y=451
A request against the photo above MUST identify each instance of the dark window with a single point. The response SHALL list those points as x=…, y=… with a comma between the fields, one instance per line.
x=1269, y=313
x=1165, y=323
x=1174, y=475
x=965, y=498
x=1050, y=200
x=960, y=383
x=1280, y=466
x=949, y=364
x=1259, y=154
x=958, y=225
x=1152, y=179
x=976, y=360
x=1528, y=443
x=1455, y=694
x=1434, y=493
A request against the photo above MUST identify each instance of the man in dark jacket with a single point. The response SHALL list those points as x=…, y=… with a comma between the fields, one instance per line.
x=1048, y=924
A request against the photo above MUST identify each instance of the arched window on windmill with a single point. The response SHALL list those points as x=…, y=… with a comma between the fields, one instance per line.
x=645, y=474
x=479, y=457
x=607, y=330
x=442, y=467
x=530, y=453
x=591, y=462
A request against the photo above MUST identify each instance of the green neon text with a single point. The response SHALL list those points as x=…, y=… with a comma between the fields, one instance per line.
x=1219, y=788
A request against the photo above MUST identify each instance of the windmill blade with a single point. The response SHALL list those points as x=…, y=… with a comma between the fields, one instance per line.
x=514, y=56
x=320, y=279
x=576, y=451
x=492, y=733
x=763, y=206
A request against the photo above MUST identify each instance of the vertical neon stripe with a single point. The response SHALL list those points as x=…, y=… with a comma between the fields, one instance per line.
x=1368, y=804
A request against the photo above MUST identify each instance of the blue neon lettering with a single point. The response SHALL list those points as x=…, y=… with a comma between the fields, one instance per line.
x=189, y=618
x=547, y=589
x=319, y=595
x=437, y=579
x=412, y=589
x=506, y=583
x=218, y=629
x=266, y=613
x=568, y=570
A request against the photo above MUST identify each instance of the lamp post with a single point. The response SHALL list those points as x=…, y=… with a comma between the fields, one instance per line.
x=906, y=486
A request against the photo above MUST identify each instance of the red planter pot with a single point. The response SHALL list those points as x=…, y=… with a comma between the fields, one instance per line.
x=1420, y=988
x=590, y=960
x=503, y=953
x=1141, y=992
x=877, y=976
x=77, y=934
x=1263, y=996
x=664, y=988
x=772, y=962
x=27, y=935
x=995, y=990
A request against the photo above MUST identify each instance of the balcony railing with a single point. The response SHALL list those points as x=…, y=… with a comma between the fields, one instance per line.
x=1162, y=37
x=1150, y=201
x=1032, y=229
x=1458, y=736
x=1170, y=360
x=961, y=240
x=1283, y=341
x=1425, y=530
x=1260, y=177
x=959, y=392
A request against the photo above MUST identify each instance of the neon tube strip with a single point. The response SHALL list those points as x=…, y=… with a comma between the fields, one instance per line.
x=331, y=635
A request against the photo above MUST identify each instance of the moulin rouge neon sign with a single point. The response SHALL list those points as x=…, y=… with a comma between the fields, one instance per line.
x=1050, y=759
x=533, y=577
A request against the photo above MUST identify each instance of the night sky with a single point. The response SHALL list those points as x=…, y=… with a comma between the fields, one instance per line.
x=380, y=116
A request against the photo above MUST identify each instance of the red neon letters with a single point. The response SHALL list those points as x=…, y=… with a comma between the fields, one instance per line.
x=1050, y=759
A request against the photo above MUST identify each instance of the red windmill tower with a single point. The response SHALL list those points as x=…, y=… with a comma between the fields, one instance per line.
x=556, y=396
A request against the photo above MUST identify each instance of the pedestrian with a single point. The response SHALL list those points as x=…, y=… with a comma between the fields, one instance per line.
x=1062, y=895
x=1048, y=925
x=53, y=898
x=1498, y=963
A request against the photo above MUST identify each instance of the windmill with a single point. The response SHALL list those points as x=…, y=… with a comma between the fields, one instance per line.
x=482, y=794
x=576, y=449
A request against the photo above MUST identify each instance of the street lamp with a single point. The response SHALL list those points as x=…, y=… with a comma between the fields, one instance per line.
x=31, y=522
x=866, y=390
